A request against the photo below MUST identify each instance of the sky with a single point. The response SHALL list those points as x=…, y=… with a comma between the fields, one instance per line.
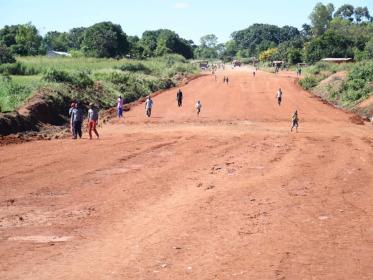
x=191, y=19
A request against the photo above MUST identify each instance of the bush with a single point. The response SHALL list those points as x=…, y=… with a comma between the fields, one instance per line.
x=17, y=69
x=308, y=82
x=135, y=67
x=6, y=55
x=79, y=79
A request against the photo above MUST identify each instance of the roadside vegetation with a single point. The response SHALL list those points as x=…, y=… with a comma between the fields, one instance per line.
x=89, y=79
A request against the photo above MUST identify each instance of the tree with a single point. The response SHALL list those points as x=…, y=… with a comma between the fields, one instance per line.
x=362, y=12
x=268, y=54
x=369, y=49
x=105, y=39
x=209, y=41
x=6, y=55
x=330, y=44
x=260, y=37
x=345, y=11
x=76, y=37
x=320, y=18
x=58, y=41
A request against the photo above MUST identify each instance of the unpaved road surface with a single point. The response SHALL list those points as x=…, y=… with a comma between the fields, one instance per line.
x=231, y=194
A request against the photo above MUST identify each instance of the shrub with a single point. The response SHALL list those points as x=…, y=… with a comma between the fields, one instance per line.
x=135, y=67
x=6, y=55
x=17, y=68
x=308, y=82
x=79, y=79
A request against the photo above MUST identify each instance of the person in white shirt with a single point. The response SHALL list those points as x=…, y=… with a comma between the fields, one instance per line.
x=279, y=96
x=148, y=106
x=198, y=107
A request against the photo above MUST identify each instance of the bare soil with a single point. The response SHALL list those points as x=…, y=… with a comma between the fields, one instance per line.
x=231, y=194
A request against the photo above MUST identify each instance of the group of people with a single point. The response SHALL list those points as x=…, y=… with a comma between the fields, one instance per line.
x=76, y=113
x=294, y=118
x=225, y=80
x=179, y=99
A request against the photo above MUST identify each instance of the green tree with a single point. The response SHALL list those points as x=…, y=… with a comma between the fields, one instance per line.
x=58, y=41
x=346, y=11
x=362, y=13
x=330, y=44
x=76, y=37
x=105, y=39
x=6, y=55
x=320, y=18
x=209, y=41
x=268, y=54
x=369, y=49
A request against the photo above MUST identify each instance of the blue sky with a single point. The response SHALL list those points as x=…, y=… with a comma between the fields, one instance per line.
x=191, y=19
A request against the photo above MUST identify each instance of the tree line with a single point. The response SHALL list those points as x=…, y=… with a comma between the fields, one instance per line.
x=343, y=32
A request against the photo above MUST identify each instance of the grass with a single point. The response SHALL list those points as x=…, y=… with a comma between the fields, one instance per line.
x=88, y=79
x=356, y=86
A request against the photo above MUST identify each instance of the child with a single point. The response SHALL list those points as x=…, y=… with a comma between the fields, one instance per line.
x=120, y=107
x=295, y=121
x=198, y=107
x=148, y=106
x=92, y=120
x=279, y=96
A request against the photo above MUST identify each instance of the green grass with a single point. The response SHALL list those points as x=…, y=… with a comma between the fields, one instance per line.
x=88, y=79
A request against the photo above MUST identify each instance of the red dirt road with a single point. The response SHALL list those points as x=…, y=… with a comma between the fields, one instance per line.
x=231, y=194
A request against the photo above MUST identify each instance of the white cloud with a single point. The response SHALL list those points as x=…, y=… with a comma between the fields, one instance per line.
x=181, y=5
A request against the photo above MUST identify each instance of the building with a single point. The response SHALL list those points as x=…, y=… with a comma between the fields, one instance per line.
x=56, y=54
x=336, y=60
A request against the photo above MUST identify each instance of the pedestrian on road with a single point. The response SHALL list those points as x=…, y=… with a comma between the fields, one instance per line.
x=295, y=121
x=279, y=96
x=179, y=98
x=72, y=106
x=77, y=117
x=198, y=107
x=92, y=120
x=149, y=106
x=227, y=80
x=254, y=73
x=120, y=107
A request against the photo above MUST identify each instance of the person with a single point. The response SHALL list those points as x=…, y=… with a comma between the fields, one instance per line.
x=224, y=79
x=77, y=118
x=148, y=106
x=254, y=73
x=72, y=106
x=179, y=98
x=227, y=80
x=198, y=107
x=92, y=120
x=279, y=96
x=120, y=107
x=295, y=121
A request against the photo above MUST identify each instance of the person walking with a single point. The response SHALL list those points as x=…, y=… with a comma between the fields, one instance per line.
x=77, y=118
x=120, y=107
x=254, y=73
x=72, y=106
x=149, y=106
x=279, y=96
x=294, y=121
x=179, y=98
x=198, y=107
x=92, y=120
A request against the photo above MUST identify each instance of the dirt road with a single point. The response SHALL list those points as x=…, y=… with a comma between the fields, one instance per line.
x=231, y=194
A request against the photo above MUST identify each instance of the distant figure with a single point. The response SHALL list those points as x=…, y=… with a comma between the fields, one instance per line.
x=149, y=106
x=198, y=107
x=179, y=98
x=72, y=106
x=120, y=107
x=254, y=73
x=299, y=72
x=279, y=96
x=92, y=120
x=224, y=79
x=295, y=121
x=77, y=118
x=227, y=80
